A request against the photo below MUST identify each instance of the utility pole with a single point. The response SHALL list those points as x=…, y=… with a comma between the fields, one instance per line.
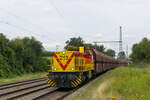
x=120, y=41
x=127, y=52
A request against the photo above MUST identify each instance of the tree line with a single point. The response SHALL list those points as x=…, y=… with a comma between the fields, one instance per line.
x=27, y=55
x=141, y=51
x=19, y=56
x=78, y=41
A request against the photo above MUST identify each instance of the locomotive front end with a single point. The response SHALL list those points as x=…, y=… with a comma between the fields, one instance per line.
x=70, y=68
x=63, y=72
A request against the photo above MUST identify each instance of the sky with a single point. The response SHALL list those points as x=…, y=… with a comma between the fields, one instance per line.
x=54, y=21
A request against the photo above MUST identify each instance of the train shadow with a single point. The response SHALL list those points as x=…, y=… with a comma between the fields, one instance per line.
x=64, y=89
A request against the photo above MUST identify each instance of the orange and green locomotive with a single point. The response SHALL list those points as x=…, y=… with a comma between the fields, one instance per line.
x=72, y=67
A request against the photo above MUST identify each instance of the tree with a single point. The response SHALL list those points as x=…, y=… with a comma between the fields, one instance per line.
x=20, y=56
x=74, y=42
x=3, y=44
x=80, y=42
x=141, y=51
x=99, y=48
x=47, y=53
x=121, y=55
x=110, y=52
x=5, y=69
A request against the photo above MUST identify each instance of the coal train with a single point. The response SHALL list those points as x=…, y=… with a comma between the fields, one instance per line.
x=75, y=65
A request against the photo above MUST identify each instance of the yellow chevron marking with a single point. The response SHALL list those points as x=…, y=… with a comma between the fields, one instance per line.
x=73, y=84
x=53, y=84
x=76, y=83
x=49, y=81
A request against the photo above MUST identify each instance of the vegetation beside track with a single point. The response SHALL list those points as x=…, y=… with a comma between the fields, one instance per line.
x=22, y=55
x=23, y=77
x=123, y=83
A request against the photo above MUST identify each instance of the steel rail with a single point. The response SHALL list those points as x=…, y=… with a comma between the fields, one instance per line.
x=9, y=92
x=20, y=83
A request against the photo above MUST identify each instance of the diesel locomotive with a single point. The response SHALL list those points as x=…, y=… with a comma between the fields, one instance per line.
x=75, y=65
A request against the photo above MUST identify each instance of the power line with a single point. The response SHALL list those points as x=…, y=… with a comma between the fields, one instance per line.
x=60, y=14
x=20, y=28
x=24, y=19
x=24, y=29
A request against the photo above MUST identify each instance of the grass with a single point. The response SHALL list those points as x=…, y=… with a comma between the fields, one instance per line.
x=23, y=77
x=123, y=83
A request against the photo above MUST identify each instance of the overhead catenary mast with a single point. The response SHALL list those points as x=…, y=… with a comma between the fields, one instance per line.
x=120, y=41
x=127, y=55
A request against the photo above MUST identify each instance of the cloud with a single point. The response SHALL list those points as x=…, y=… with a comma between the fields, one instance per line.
x=55, y=21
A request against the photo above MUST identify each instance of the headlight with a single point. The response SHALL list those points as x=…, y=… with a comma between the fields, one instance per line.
x=55, y=69
x=72, y=68
x=63, y=52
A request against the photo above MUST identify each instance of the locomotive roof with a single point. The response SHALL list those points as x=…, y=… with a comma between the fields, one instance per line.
x=77, y=47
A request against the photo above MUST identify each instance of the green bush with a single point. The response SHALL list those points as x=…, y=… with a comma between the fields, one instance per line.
x=141, y=51
x=19, y=56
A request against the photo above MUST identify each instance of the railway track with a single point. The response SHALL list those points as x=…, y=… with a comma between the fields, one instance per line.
x=61, y=93
x=58, y=94
x=25, y=90
x=36, y=89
